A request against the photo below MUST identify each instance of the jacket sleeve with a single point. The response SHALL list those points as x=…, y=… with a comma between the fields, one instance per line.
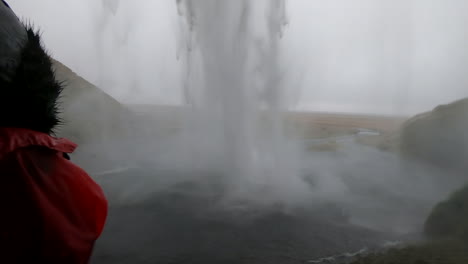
x=55, y=211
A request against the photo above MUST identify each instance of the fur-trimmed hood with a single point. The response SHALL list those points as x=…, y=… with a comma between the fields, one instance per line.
x=29, y=91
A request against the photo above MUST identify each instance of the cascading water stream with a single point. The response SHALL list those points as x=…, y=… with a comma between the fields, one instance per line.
x=234, y=86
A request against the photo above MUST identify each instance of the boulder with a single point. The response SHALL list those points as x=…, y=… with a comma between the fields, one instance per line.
x=449, y=219
x=439, y=137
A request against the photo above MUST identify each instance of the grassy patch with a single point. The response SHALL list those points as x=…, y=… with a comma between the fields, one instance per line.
x=329, y=146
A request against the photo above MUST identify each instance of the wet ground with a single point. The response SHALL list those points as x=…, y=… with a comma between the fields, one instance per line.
x=162, y=216
x=182, y=224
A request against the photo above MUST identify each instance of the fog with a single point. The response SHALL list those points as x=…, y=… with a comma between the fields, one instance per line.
x=398, y=57
x=236, y=165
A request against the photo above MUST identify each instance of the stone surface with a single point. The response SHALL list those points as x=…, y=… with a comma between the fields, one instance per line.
x=89, y=114
x=439, y=137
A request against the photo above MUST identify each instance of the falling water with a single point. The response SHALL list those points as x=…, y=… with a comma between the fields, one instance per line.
x=232, y=55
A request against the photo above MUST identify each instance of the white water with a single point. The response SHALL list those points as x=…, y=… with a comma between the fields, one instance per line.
x=231, y=51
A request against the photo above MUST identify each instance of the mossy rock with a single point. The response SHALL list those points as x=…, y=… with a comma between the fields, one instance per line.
x=447, y=229
x=436, y=252
x=449, y=219
x=439, y=137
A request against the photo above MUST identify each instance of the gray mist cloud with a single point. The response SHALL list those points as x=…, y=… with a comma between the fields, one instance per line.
x=377, y=56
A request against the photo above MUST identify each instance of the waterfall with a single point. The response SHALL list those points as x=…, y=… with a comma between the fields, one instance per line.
x=232, y=55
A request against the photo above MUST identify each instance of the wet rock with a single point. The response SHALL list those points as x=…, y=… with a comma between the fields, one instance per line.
x=439, y=137
x=89, y=114
x=449, y=219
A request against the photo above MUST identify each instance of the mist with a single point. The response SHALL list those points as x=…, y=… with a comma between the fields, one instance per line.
x=250, y=124
x=365, y=56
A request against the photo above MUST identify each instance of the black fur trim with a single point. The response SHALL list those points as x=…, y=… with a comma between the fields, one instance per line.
x=30, y=99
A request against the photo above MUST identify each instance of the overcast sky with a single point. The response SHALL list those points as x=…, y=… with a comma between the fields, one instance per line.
x=373, y=56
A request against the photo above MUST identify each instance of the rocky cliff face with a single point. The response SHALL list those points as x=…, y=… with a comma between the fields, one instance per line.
x=439, y=137
x=89, y=114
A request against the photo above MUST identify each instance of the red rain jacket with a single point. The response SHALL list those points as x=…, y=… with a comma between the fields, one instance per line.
x=51, y=210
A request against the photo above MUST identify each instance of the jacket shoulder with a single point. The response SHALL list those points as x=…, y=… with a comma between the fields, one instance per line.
x=70, y=206
x=15, y=138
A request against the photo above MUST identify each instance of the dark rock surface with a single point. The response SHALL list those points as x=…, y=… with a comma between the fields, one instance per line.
x=184, y=224
x=449, y=219
x=439, y=137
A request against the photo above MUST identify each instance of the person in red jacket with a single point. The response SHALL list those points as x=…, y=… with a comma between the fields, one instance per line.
x=52, y=211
